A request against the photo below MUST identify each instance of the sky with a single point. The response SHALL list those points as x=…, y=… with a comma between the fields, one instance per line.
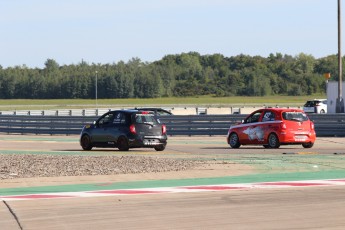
x=109, y=31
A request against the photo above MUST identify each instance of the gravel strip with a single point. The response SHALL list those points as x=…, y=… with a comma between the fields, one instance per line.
x=30, y=165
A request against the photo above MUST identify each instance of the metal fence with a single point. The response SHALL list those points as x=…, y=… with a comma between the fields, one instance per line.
x=326, y=125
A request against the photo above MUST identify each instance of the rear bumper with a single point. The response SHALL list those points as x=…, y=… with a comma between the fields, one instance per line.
x=297, y=137
x=147, y=142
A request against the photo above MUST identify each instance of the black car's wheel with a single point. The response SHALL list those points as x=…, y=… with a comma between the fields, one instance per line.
x=273, y=141
x=122, y=144
x=234, y=141
x=308, y=145
x=160, y=147
x=86, y=142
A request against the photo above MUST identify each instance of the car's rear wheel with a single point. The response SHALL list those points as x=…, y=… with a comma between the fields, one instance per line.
x=122, y=144
x=273, y=141
x=86, y=142
x=308, y=145
x=160, y=147
x=234, y=141
x=322, y=111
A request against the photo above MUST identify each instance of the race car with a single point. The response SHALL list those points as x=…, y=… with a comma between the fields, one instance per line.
x=272, y=127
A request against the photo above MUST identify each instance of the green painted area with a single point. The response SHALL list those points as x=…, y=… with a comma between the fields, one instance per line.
x=253, y=178
x=40, y=138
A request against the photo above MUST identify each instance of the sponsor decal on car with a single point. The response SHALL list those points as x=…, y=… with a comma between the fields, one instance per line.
x=255, y=133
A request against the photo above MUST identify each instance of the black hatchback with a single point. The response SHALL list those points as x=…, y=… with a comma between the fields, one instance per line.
x=125, y=129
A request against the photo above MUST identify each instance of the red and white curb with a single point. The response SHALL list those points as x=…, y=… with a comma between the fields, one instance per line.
x=182, y=189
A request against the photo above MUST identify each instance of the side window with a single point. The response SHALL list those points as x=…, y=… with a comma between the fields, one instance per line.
x=120, y=118
x=268, y=116
x=107, y=119
x=253, y=118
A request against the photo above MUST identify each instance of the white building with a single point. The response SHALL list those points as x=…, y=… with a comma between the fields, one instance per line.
x=332, y=95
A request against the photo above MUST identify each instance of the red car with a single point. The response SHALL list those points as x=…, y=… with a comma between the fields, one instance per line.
x=273, y=127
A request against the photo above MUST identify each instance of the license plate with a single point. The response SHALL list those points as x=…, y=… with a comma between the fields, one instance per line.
x=300, y=138
x=150, y=142
x=309, y=109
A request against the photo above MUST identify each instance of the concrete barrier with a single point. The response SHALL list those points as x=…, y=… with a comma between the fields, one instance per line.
x=214, y=111
x=249, y=110
x=184, y=111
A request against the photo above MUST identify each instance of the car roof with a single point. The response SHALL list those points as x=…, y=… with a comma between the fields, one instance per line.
x=154, y=109
x=282, y=110
x=318, y=100
x=130, y=111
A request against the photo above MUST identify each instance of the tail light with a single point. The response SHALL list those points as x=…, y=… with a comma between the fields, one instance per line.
x=164, y=129
x=132, y=129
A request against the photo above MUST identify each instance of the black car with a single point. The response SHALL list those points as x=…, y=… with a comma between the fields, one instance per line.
x=125, y=129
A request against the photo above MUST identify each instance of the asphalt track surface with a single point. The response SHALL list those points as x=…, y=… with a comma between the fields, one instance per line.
x=246, y=188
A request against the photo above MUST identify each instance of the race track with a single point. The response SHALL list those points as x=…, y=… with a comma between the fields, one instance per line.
x=304, y=202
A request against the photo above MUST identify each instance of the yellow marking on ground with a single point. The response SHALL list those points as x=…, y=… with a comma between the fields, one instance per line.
x=306, y=153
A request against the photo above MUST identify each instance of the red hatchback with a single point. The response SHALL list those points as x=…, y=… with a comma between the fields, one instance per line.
x=273, y=127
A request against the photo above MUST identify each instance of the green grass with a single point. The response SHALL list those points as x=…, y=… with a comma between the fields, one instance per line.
x=25, y=104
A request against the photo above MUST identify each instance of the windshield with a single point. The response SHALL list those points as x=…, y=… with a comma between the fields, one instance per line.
x=295, y=116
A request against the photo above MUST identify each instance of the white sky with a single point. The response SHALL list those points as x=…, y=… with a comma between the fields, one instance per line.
x=108, y=31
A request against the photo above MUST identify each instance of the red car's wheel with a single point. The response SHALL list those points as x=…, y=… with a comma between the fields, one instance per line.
x=308, y=145
x=234, y=141
x=273, y=141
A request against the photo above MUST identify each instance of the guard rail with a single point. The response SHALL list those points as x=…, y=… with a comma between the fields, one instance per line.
x=326, y=125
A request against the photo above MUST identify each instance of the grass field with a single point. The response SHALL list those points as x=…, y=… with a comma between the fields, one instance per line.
x=208, y=101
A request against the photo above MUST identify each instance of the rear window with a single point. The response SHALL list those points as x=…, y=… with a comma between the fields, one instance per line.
x=314, y=103
x=295, y=116
x=310, y=104
x=145, y=118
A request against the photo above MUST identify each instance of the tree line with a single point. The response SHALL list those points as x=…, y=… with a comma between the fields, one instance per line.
x=180, y=75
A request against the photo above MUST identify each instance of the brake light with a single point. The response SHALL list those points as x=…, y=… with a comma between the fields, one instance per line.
x=164, y=129
x=132, y=129
x=145, y=112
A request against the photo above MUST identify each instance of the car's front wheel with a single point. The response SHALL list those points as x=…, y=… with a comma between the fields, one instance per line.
x=308, y=145
x=273, y=141
x=122, y=144
x=234, y=141
x=85, y=142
